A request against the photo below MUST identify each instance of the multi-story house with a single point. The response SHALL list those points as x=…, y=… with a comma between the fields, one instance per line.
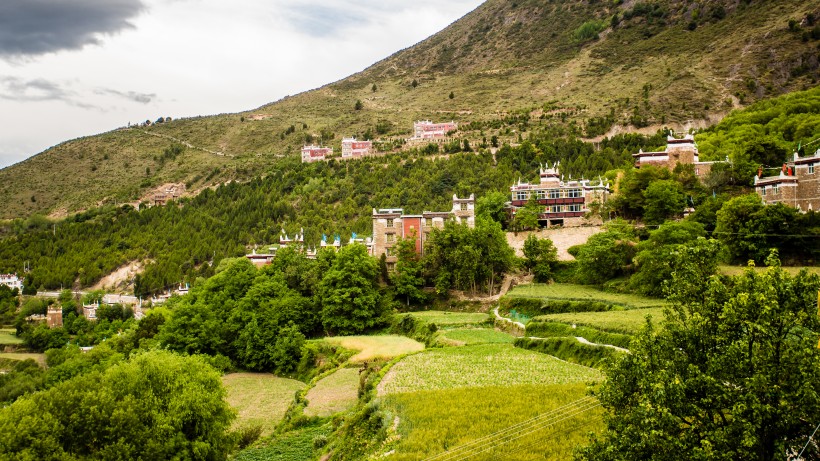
x=12, y=281
x=425, y=129
x=677, y=151
x=315, y=153
x=564, y=203
x=351, y=148
x=797, y=185
x=391, y=224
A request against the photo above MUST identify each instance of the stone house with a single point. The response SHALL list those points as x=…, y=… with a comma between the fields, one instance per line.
x=797, y=184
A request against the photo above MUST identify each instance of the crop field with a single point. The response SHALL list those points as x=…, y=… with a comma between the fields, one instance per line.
x=450, y=318
x=376, y=347
x=7, y=337
x=432, y=422
x=333, y=394
x=481, y=365
x=628, y=322
x=582, y=293
x=260, y=398
x=792, y=270
x=472, y=336
x=39, y=358
x=292, y=446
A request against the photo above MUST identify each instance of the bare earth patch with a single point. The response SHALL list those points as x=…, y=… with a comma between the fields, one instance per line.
x=260, y=398
x=376, y=347
x=333, y=394
x=121, y=278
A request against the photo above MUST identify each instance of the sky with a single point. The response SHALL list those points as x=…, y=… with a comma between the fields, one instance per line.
x=72, y=68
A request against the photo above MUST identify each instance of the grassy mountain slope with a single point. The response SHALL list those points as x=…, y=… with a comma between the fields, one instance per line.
x=677, y=62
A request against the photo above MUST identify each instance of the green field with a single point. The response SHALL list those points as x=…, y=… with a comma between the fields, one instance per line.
x=792, y=270
x=376, y=347
x=627, y=322
x=481, y=365
x=260, y=398
x=293, y=446
x=582, y=293
x=7, y=337
x=472, y=336
x=333, y=394
x=442, y=318
x=39, y=358
x=432, y=422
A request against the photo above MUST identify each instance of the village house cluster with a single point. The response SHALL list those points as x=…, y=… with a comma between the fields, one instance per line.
x=12, y=281
x=678, y=151
x=797, y=184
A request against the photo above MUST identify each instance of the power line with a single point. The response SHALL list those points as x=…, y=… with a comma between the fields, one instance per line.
x=514, y=432
x=514, y=427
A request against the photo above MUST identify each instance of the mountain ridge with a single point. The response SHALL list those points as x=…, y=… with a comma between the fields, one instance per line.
x=580, y=68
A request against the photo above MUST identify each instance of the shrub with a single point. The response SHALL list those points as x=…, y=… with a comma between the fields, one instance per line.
x=571, y=350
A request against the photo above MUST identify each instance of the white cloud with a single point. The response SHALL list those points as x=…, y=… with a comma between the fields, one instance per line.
x=200, y=57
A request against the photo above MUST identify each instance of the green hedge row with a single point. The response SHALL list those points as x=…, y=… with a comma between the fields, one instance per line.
x=539, y=306
x=545, y=329
x=571, y=350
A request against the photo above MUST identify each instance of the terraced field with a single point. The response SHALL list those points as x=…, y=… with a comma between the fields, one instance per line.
x=627, y=321
x=472, y=336
x=443, y=318
x=478, y=366
x=573, y=292
x=376, y=347
x=335, y=393
x=260, y=398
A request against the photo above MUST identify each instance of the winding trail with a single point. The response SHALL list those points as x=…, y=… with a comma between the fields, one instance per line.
x=185, y=143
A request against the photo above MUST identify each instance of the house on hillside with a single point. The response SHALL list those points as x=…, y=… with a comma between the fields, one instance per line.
x=171, y=192
x=797, y=184
x=391, y=224
x=564, y=203
x=425, y=129
x=315, y=153
x=351, y=148
x=54, y=317
x=12, y=281
x=678, y=151
x=90, y=311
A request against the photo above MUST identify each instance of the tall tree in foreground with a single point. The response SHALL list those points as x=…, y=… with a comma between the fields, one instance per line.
x=158, y=405
x=733, y=374
x=407, y=277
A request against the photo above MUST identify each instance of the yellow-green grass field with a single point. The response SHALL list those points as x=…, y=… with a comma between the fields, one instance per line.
x=39, y=358
x=480, y=365
x=792, y=270
x=472, y=336
x=450, y=318
x=260, y=398
x=582, y=293
x=334, y=393
x=376, y=347
x=627, y=322
x=432, y=422
x=7, y=337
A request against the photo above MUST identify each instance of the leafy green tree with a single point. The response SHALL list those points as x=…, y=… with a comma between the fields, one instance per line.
x=606, y=255
x=663, y=200
x=734, y=372
x=493, y=205
x=351, y=302
x=359, y=105
x=657, y=256
x=158, y=405
x=526, y=218
x=540, y=256
x=407, y=276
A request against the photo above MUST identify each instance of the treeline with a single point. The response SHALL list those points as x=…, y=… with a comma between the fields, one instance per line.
x=185, y=240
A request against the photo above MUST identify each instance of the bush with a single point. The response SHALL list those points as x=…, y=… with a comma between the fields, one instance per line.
x=546, y=329
x=571, y=350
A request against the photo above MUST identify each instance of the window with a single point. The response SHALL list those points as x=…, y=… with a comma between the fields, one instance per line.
x=389, y=222
x=428, y=222
x=774, y=188
x=574, y=193
x=463, y=207
x=555, y=209
x=763, y=191
x=390, y=238
x=555, y=193
x=391, y=266
x=811, y=168
x=574, y=207
x=522, y=195
x=542, y=194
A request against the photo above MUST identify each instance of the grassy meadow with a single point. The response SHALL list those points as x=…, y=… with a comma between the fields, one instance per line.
x=376, y=347
x=478, y=366
x=39, y=358
x=443, y=318
x=7, y=337
x=473, y=336
x=627, y=321
x=573, y=292
x=293, y=446
x=434, y=421
x=260, y=398
x=334, y=393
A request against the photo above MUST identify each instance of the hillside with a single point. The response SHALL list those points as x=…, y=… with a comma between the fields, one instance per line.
x=574, y=68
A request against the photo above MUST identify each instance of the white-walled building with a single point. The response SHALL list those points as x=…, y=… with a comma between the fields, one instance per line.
x=315, y=153
x=425, y=129
x=352, y=148
x=12, y=281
